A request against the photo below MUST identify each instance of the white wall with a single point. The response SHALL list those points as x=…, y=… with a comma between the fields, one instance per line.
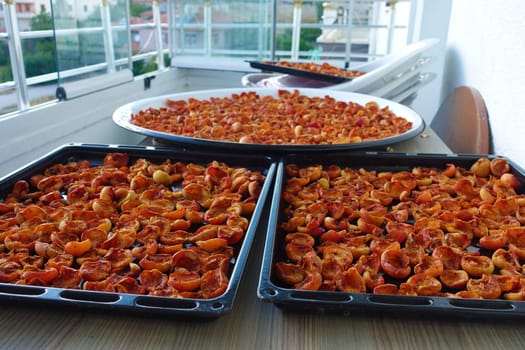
x=486, y=50
x=431, y=21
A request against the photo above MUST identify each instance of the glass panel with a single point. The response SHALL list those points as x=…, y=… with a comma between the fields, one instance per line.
x=402, y=19
x=77, y=49
x=227, y=28
x=240, y=28
x=7, y=94
x=389, y=31
x=5, y=62
x=91, y=39
x=163, y=9
x=377, y=28
x=189, y=34
x=143, y=38
x=120, y=33
x=39, y=53
x=299, y=20
x=143, y=35
x=325, y=29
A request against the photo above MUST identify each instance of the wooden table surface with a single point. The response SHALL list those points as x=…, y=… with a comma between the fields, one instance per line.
x=252, y=323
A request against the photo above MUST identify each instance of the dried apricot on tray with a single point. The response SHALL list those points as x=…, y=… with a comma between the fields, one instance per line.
x=446, y=231
x=167, y=228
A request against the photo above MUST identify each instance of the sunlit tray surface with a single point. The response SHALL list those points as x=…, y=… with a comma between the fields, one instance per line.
x=123, y=117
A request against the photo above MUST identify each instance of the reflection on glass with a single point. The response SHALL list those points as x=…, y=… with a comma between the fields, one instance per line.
x=39, y=53
x=144, y=36
x=5, y=61
x=75, y=48
x=225, y=28
x=239, y=27
x=315, y=29
x=92, y=41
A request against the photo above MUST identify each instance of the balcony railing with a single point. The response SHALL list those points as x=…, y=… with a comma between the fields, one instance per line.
x=178, y=28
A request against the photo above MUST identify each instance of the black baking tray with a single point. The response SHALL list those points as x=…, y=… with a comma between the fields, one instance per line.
x=153, y=305
x=365, y=304
x=270, y=66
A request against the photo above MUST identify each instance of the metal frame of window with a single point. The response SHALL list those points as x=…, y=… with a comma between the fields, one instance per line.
x=14, y=40
x=15, y=53
x=207, y=26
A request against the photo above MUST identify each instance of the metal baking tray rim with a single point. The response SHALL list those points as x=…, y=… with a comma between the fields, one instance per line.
x=272, y=67
x=207, y=308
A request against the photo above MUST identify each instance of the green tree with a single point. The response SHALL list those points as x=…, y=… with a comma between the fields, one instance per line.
x=5, y=63
x=136, y=9
x=90, y=45
x=143, y=66
x=307, y=42
x=39, y=54
x=42, y=21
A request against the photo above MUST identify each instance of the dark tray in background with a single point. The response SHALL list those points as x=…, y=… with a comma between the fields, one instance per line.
x=198, y=308
x=270, y=67
x=359, y=304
